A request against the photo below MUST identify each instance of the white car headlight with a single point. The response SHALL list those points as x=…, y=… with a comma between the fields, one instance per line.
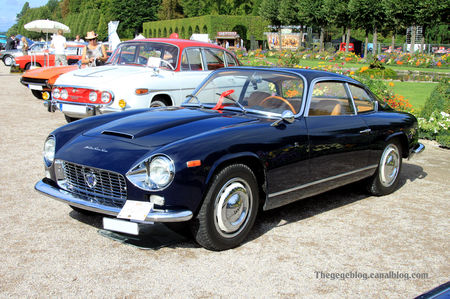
x=49, y=150
x=64, y=94
x=56, y=93
x=152, y=174
x=106, y=97
x=92, y=96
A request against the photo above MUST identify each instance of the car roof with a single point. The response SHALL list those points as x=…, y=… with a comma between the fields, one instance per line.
x=309, y=74
x=181, y=43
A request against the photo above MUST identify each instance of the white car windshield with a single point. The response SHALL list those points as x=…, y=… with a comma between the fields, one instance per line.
x=250, y=90
x=139, y=53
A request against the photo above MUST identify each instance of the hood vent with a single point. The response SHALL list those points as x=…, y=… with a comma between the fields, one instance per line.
x=118, y=134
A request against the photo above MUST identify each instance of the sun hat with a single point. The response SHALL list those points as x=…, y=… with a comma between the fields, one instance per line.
x=91, y=35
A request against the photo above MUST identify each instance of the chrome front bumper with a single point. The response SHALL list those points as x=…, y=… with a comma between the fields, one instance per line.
x=419, y=148
x=70, y=199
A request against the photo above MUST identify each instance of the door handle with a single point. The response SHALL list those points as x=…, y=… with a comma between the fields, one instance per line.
x=366, y=131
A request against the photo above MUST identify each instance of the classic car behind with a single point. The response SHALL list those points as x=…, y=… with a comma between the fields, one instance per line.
x=47, y=59
x=40, y=80
x=246, y=138
x=140, y=74
x=8, y=56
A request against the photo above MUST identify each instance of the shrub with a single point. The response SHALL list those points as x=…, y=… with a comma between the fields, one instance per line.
x=444, y=139
x=436, y=127
x=439, y=100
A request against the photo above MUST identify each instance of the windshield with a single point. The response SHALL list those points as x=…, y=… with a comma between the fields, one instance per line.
x=250, y=90
x=139, y=54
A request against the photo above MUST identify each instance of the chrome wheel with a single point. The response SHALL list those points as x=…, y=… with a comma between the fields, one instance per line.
x=8, y=60
x=389, y=165
x=232, y=207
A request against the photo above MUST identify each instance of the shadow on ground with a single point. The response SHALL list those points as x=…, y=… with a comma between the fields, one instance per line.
x=154, y=237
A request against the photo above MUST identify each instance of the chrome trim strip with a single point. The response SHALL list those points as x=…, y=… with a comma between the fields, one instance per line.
x=322, y=180
x=68, y=198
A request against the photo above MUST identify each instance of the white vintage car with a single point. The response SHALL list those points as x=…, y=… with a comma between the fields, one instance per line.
x=139, y=74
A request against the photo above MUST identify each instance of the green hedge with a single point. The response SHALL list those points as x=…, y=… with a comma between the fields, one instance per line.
x=245, y=26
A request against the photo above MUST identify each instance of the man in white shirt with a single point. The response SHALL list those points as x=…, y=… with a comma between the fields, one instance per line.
x=59, y=43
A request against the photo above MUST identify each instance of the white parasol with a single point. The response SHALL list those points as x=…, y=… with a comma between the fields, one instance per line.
x=46, y=26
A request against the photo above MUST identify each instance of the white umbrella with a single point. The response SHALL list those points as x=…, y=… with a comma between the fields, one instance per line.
x=46, y=26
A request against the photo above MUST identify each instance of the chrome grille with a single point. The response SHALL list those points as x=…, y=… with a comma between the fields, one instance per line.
x=95, y=185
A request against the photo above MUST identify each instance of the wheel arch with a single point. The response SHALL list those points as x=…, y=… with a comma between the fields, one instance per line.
x=163, y=97
x=403, y=140
x=250, y=160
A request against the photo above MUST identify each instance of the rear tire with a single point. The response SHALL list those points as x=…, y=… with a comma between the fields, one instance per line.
x=385, y=179
x=229, y=209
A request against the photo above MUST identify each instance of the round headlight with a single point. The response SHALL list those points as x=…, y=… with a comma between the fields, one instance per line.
x=64, y=94
x=92, y=96
x=49, y=150
x=56, y=93
x=161, y=171
x=106, y=97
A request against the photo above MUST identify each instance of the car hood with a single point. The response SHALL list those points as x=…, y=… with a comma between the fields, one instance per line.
x=104, y=75
x=130, y=138
x=48, y=72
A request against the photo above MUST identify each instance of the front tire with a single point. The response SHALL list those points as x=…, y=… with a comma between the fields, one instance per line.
x=7, y=60
x=385, y=179
x=229, y=209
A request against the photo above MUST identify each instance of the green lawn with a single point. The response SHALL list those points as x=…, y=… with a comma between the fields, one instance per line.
x=415, y=92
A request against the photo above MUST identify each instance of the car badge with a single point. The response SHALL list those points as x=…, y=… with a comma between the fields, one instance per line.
x=74, y=90
x=90, y=179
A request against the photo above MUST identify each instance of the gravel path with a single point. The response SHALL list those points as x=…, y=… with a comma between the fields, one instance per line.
x=322, y=246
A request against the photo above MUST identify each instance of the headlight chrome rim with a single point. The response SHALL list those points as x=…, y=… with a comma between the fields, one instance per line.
x=49, y=150
x=154, y=173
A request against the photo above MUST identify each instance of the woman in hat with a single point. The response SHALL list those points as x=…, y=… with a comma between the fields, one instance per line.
x=94, y=53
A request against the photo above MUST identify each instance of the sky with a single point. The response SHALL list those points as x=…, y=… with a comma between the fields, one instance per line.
x=10, y=8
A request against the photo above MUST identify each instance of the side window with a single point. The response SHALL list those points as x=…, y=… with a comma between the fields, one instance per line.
x=363, y=102
x=330, y=98
x=214, y=59
x=230, y=60
x=191, y=60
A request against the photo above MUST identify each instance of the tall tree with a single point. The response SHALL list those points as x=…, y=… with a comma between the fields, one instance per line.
x=132, y=14
x=25, y=8
x=314, y=14
x=170, y=9
x=269, y=10
x=338, y=14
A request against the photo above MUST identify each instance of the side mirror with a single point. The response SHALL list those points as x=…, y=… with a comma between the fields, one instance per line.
x=287, y=116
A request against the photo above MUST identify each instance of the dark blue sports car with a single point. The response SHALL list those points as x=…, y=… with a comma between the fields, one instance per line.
x=247, y=138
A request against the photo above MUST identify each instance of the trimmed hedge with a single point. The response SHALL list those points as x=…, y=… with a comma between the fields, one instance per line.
x=439, y=100
x=245, y=26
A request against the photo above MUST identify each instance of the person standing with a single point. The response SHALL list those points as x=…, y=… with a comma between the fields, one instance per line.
x=78, y=39
x=25, y=46
x=60, y=45
x=94, y=54
x=11, y=44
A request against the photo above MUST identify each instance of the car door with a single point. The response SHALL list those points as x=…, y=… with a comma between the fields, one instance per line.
x=338, y=137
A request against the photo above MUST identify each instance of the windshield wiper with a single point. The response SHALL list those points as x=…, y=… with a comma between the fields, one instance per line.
x=237, y=103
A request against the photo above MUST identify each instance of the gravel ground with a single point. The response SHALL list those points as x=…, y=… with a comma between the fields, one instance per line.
x=47, y=249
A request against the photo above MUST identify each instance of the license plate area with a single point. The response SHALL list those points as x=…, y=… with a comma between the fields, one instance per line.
x=34, y=87
x=78, y=109
x=121, y=226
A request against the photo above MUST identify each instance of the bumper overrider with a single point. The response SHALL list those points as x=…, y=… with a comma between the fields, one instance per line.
x=417, y=149
x=46, y=187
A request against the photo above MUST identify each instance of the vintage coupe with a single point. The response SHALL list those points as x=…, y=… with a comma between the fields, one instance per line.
x=8, y=56
x=139, y=74
x=246, y=138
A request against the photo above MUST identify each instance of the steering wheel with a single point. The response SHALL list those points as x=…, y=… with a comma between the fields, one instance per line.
x=168, y=63
x=281, y=99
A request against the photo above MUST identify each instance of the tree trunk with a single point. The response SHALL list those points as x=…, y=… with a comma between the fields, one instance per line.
x=413, y=39
x=321, y=38
x=347, y=41
x=301, y=36
x=375, y=46
x=365, y=44
x=422, y=40
x=279, y=39
x=393, y=42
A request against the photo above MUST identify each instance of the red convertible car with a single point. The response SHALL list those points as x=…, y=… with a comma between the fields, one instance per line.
x=73, y=54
